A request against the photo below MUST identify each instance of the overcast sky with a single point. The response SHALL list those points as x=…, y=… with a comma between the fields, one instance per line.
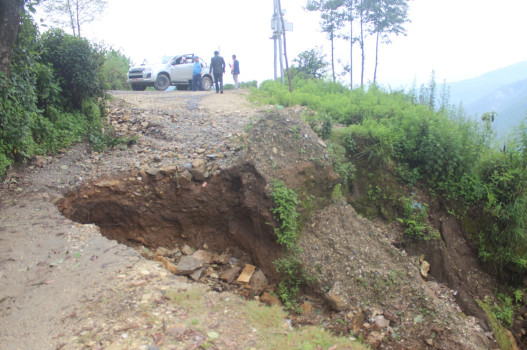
x=459, y=39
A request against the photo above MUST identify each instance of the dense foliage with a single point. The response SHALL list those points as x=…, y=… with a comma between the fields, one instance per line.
x=54, y=95
x=448, y=154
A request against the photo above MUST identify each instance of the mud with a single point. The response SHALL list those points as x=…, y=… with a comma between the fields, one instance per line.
x=168, y=210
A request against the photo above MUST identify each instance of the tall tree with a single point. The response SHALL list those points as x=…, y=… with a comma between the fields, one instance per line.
x=10, y=12
x=386, y=17
x=331, y=15
x=363, y=9
x=312, y=63
x=73, y=13
x=348, y=14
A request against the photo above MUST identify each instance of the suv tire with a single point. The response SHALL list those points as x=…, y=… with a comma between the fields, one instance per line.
x=162, y=82
x=206, y=83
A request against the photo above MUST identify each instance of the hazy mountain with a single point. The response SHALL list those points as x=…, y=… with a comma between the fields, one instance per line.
x=503, y=91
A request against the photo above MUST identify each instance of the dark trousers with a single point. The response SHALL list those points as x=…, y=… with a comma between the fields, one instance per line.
x=196, y=82
x=218, y=78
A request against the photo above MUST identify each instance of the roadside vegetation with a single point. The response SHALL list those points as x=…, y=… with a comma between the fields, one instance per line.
x=392, y=143
x=395, y=143
x=55, y=94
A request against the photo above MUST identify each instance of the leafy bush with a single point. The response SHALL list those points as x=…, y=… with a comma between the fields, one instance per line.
x=52, y=97
x=443, y=150
x=286, y=202
x=114, y=70
x=77, y=63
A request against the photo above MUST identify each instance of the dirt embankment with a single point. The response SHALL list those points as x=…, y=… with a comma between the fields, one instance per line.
x=194, y=194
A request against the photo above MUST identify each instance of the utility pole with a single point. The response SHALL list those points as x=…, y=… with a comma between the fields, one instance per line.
x=278, y=30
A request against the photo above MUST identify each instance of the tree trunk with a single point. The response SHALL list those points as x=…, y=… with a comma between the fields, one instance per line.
x=78, y=18
x=362, y=49
x=285, y=50
x=376, y=59
x=72, y=17
x=332, y=38
x=10, y=11
x=351, y=53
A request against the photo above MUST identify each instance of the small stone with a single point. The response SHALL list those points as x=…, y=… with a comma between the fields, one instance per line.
x=187, y=250
x=425, y=267
x=306, y=308
x=258, y=282
x=196, y=275
x=380, y=322
x=198, y=173
x=157, y=158
x=335, y=302
x=357, y=322
x=175, y=331
x=221, y=259
x=230, y=275
x=202, y=255
x=270, y=299
x=187, y=265
x=374, y=339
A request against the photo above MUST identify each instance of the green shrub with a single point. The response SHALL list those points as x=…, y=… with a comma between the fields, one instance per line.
x=284, y=210
x=114, y=70
x=76, y=62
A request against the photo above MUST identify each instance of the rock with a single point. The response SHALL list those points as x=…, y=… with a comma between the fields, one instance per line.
x=374, y=339
x=198, y=174
x=380, y=322
x=306, y=308
x=108, y=183
x=390, y=316
x=230, y=275
x=336, y=303
x=157, y=158
x=184, y=178
x=40, y=161
x=162, y=251
x=258, y=282
x=425, y=267
x=429, y=342
x=197, y=163
x=169, y=169
x=221, y=259
x=270, y=299
x=196, y=275
x=187, y=265
x=187, y=250
x=202, y=255
x=357, y=322
x=152, y=171
x=175, y=330
x=246, y=274
x=167, y=264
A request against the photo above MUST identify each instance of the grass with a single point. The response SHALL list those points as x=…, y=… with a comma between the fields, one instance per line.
x=276, y=334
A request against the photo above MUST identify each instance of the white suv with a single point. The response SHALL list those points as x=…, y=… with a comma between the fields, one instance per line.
x=176, y=70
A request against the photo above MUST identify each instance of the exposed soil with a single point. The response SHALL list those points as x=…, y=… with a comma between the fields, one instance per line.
x=90, y=242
